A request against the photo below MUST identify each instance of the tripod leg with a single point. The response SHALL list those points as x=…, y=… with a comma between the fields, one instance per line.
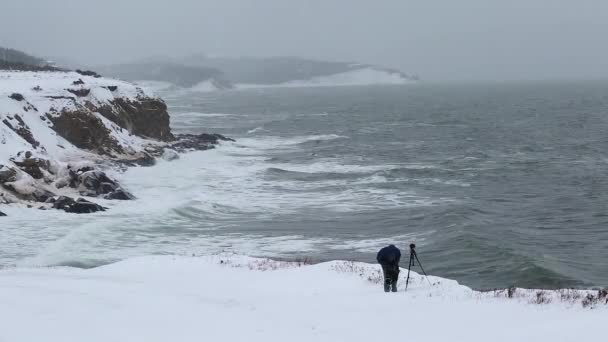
x=409, y=267
x=419, y=264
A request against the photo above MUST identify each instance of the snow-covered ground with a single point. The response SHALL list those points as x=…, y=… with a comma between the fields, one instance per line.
x=359, y=77
x=235, y=298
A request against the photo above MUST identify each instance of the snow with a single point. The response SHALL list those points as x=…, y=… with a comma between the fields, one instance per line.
x=37, y=103
x=237, y=298
x=46, y=94
x=358, y=77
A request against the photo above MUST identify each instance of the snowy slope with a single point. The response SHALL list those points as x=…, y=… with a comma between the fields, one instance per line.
x=54, y=94
x=233, y=298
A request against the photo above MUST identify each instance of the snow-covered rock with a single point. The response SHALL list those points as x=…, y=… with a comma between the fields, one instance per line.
x=53, y=123
x=236, y=298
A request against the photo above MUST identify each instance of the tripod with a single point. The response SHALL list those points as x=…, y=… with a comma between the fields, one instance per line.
x=413, y=259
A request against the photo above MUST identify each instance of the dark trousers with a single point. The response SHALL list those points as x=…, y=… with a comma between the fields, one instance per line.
x=391, y=275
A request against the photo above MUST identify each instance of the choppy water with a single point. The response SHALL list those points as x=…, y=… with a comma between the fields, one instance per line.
x=498, y=185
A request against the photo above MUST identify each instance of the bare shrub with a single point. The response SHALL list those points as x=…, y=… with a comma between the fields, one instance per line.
x=541, y=298
x=569, y=295
x=374, y=276
x=591, y=300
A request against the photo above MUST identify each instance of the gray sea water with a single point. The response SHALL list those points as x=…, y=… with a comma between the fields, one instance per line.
x=497, y=184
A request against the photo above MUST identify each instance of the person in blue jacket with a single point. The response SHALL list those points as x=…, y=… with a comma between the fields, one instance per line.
x=388, y=257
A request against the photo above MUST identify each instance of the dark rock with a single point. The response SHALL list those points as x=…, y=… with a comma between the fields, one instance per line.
x=88, y=73
x=41, y=195
x=119, y=194
x=106, y=188
x=79, y=206
x=78, y=82
x=37, y=88
x=2, y=214
x=7, y=174
x=111, y=88
x=86, y=131
x=198, y=142
x=97, y=181
x=146, y=160
x=17, y=97
x=33, y=166
x=60, y=97
x=82, y=92
x=88, y=193
x=146, y=117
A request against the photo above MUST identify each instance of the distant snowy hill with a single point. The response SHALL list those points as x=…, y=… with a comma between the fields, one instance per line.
x=299, y=71
x=177, y=74
x=202, y=73
x=358, y=77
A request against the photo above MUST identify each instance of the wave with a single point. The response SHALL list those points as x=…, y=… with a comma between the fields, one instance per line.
x=272, y=142
x=255, y=130
x=204, y=86
x=198, y=114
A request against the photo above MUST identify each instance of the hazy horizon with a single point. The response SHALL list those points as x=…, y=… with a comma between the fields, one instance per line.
x=443, y=40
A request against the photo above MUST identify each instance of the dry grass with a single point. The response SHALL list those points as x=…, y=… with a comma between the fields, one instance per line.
x=373, y=275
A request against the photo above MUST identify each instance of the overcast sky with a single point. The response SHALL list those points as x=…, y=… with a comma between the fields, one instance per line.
x=438, y=39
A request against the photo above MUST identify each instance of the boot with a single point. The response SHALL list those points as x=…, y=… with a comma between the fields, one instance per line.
x=387, y=285
x=394, y=286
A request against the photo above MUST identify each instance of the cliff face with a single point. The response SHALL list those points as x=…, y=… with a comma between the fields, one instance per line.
x=62, y=112
x=54, y=126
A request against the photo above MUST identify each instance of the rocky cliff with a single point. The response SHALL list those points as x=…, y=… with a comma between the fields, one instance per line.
x=57, y=127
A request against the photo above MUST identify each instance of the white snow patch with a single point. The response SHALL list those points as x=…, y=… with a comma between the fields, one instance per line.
x=236, y=298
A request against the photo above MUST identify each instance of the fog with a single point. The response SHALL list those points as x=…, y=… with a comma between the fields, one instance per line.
x=439, y=40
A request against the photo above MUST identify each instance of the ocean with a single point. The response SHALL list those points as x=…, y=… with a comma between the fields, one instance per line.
x=498, y=184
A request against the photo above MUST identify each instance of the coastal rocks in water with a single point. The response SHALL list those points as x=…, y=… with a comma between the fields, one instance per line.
x=170, y=155
x=88, y=73
x=186, y=142
x=79, y=206
x=35, y=167
x=25, y=190
x=97, y=183
x=119, y=194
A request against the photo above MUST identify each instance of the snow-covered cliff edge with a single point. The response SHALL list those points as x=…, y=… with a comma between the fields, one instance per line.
x=55, y=127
